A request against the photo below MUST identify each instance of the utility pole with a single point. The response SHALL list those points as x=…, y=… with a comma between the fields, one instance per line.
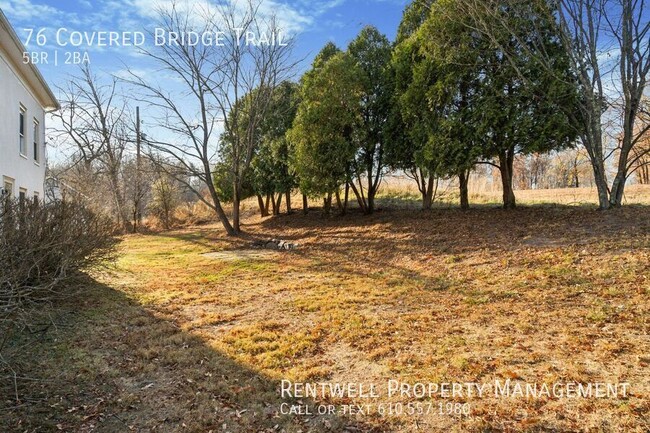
x=138, y=175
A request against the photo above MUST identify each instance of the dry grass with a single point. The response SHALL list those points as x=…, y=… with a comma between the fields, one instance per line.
x=634, y=194
x=178, y=341
x=401, y=189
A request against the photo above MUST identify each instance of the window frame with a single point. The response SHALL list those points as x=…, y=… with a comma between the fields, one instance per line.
x=8, y=181
x=36, y=141
x=22, y=134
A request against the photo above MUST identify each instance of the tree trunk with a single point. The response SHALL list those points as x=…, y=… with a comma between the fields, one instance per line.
x=593, y=143
x=134, y=225
x=345, y=198
x=373, y=184
x=369, y=179
x=278, y=203
x=618, y=187
x=305, y=204
x=576, y=179
x=358, y=194
x=123, y=217
x=274, y=205
x=339, y=203
x=235, y=213
x=220, y=212
x=236, y=199
x=463, y=179
x=601, y=184
x=506, y=162
x=327, y=204
x=263, y=210
x=288, y=200
x=371, y=201
x=167, y=210
x=427, y=193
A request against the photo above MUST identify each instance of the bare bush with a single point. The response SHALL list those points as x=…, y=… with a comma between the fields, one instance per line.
x=43, y=248
x=165, y=197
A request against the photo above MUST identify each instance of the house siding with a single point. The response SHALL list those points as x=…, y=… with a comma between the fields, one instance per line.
x=25, y=172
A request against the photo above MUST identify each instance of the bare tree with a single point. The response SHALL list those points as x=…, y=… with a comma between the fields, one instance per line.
x=165, y=197
x=628, y=22
x=532, y=170
x=604, y=40
x=235, y=71
x=93, y=120
x=640, y=159
x=571, y=168
x=641, y=162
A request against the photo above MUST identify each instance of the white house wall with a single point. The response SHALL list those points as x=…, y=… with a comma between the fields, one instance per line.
x=27, y=173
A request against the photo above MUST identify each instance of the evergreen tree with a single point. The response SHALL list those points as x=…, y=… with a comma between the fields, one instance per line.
x=323, y=132
x=371, y=52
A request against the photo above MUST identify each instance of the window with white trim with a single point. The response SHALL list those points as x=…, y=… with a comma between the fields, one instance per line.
x=36, y=144
x=7, y=187
x=21, y=132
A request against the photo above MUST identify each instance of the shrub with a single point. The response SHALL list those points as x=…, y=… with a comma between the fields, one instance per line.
x=44, y=247
x=165, y=197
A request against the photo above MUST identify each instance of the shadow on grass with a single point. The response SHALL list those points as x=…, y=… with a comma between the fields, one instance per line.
x=202, y=236
x=214, y=237
x=391, y=234
x=382, y=241
x=414, y=247
x=110, y=365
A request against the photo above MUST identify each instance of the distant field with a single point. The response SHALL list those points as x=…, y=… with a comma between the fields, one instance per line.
x=173, y=340
x=634, y=194
x=482, y=192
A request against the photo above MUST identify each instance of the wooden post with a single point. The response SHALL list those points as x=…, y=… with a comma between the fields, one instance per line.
x=138, y=176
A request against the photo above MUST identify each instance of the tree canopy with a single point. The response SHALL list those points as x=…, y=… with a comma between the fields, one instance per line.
x=323, y=132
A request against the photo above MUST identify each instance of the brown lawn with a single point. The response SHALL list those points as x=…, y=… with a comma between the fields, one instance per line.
x=174, y=340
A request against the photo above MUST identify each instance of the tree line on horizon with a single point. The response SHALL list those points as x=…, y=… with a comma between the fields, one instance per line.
x=452, y=92
x=465, y=82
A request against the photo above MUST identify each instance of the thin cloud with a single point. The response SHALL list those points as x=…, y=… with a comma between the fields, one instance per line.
x=25, y=10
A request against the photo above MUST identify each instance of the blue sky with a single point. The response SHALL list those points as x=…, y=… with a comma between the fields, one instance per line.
x=315, y=23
